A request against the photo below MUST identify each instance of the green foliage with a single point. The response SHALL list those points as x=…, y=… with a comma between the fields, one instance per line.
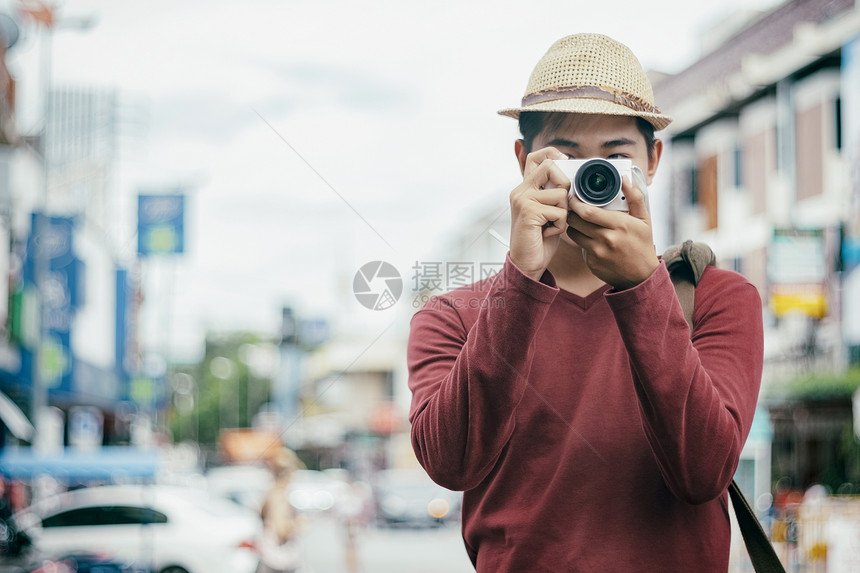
x=816, y=386
x=225, y=395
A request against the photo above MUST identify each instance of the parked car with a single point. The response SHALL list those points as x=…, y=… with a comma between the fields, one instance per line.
x=309, y=491
x=411, y=498
x=314, y=491
x=163, y=528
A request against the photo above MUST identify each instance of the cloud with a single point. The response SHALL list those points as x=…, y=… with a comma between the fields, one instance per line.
x=391, y=103
x=310, y=86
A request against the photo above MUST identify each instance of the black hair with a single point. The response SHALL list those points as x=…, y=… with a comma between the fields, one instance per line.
x=532, y=123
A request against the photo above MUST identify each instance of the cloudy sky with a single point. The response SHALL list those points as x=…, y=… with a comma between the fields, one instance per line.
x=313, y=136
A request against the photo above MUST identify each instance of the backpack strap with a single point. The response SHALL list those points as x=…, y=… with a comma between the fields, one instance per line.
x=759, y=548
x=690, y=259
x=686, y=264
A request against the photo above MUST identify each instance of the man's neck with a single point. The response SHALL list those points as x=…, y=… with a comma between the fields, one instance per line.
x=571, y=273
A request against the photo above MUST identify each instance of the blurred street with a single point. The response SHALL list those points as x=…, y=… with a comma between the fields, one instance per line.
x=204, y=301
x=383, y=550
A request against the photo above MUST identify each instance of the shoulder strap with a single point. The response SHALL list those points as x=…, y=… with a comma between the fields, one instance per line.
x=686, y=264
x=686, y=292
x=760, y=550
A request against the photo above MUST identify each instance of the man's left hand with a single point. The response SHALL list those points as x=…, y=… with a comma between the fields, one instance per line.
x=618, y=247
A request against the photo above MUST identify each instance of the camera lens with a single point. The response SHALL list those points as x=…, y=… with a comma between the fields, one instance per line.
x=597, y=182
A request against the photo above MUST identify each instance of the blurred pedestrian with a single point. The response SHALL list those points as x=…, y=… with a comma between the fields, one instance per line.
x=565, y=395
x=353, y=511
x=12, y=539
x=280, y=550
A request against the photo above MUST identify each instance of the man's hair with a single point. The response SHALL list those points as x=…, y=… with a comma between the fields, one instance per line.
x=532, y=123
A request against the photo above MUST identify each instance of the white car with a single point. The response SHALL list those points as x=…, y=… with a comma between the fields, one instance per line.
x=309, y=491
x=164, y=528
x=313, y=491
x=410, y=498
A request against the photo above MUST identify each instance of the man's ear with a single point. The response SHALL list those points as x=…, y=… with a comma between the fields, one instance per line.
x=522, y=154
x=654, y=161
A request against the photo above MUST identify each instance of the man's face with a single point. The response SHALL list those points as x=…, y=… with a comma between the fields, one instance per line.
x=586, y=136
x=582, y=136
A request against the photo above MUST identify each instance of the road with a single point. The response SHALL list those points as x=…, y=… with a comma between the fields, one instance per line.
x=381, y=550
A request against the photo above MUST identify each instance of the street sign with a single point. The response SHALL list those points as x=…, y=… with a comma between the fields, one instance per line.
x=160, y=224
x=797, y=272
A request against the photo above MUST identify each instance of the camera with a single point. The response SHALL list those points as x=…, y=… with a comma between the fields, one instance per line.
x=597, y=181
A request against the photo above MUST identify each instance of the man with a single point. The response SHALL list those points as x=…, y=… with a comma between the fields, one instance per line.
x=279, y=545
x=566, y=395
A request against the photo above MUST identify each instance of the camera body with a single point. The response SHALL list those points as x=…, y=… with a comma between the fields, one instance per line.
x=598, y=181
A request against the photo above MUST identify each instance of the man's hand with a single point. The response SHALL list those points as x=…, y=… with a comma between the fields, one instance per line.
x=618, y=247
x=538, y=212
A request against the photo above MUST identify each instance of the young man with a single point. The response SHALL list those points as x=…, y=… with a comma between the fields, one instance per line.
x=566, y=396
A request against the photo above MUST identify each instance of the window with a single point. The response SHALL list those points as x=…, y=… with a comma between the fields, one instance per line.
x=694, y=192
x=809, y=156
x=706, y=190
x=759, y=149
x=737, y=162
x=75, y=518
x=105, y=515
x=837, y=112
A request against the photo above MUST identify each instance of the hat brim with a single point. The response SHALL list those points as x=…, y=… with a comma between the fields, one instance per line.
x=590, y=106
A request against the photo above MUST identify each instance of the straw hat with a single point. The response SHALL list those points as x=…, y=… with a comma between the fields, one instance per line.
x=591, y=73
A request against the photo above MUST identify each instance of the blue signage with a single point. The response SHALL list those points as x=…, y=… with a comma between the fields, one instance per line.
x=61, y=291
x=126, y=325
x=160, y=224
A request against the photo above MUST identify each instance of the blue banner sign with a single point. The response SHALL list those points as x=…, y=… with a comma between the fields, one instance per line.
x=160, y=224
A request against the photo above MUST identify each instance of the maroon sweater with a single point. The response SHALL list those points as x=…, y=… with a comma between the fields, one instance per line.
x=589, y=434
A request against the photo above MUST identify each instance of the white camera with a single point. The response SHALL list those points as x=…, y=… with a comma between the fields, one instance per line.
x=597, y=181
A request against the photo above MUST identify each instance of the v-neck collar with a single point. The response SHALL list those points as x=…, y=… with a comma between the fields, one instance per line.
x=584, y=302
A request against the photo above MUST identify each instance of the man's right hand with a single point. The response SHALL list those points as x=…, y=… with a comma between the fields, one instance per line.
x=538, y=212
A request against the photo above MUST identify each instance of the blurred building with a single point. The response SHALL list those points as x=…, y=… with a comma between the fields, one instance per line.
x=9, y=138
x=762, y=165
x=71, y=293
x=334, y=394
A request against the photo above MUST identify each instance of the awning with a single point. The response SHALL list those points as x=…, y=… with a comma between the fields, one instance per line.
x=14, y=419
x=108, y=464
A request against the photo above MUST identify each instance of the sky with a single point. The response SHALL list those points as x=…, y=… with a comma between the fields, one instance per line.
x=314, y=136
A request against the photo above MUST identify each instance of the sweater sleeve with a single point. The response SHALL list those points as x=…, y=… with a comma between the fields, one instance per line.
x=697, y=395
x=468, y=375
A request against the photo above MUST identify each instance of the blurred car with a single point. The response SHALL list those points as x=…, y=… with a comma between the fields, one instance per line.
x=163, y=528
x=309, y=491
x=73, y=563
x=244, y=484
x=313, y=491
x=411, y=498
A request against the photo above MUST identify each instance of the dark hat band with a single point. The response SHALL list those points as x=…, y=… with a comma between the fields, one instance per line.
x=619, y=97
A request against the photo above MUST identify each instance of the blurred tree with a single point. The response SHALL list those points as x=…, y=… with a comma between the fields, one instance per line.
x=813, y=420
x=225, y=391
